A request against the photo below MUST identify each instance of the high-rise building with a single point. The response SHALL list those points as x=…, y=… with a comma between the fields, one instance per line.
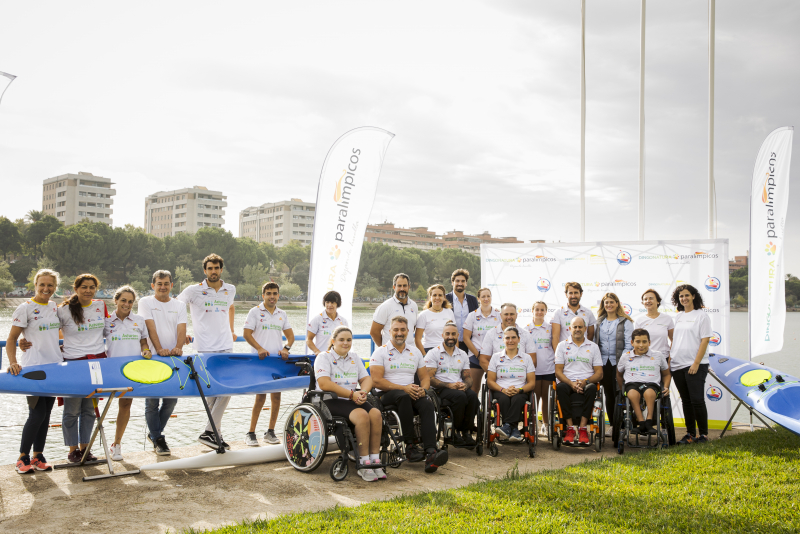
x=183, y=210
x=73, y=197
x=279, y=222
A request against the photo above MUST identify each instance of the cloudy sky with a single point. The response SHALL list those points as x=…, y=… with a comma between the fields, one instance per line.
x=483, y=97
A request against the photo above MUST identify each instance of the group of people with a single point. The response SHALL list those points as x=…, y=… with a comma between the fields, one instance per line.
x=449, y=346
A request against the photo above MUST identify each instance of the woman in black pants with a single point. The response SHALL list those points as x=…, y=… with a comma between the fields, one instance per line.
x=690, y=360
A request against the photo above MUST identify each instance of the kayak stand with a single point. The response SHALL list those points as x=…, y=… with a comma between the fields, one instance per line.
x=741, y=403
x=194, y=376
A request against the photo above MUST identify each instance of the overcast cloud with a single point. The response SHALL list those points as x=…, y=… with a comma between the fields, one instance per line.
x=483, y=98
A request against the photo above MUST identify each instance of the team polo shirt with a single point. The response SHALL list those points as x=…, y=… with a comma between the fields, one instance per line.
x=565, y=315
x=579, y=362
x=166, y=317
x=658, y=329
x=345, y=371
x=479, y=325
x=392, y=308
x=645, y=368
x=267, y=328
x=323, y=326
x=511, y=370
x=494, y=341
x=432, y=324
x=690, y=328
x=542, y=338
x=399, y=367
x=123, y=335
x=87, y=337
x=210, y=309
x=448, y=368
x=39, y=323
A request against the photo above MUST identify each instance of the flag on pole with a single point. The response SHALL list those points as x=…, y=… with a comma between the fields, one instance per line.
x=11, y=78
x=769, y=200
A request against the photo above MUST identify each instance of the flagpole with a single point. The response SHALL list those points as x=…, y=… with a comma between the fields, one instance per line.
x=711, y=193
x=583, y=120
x=641, y=124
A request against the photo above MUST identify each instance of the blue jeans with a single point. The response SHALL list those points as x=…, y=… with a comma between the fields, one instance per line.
x=157, y=419
x=77, y=422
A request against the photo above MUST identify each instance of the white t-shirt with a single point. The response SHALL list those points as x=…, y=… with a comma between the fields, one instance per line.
x=690, y=328
x=323, y=326
x=564, y=316
x=645, y=368
x=542, y=337
x=480, y=324
x=267, y=328
x=123, y=335
x=344, y=371
x=166, y=317
x=398, y=367
x=40, y=324
x=433, y=324
x=494, y=341
x=511, y=371
x=87, y=337
x=658, y=329
x=579, y=362
x=448, y=368
x=392, y=308
x=210, y=309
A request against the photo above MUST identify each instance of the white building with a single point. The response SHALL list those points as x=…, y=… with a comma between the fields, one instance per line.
x=183, y=210
x=74, y=197
x=279, y=222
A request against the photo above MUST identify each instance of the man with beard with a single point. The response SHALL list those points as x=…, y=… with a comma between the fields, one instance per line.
x=563, y=317
x=452, y=380
x=493, y=341
x=400, y=305
x=463, y=303
x=393, y=367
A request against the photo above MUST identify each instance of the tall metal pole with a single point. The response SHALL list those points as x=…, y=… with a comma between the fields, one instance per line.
x=583, y=120
x=711, y=39
x=641, y=125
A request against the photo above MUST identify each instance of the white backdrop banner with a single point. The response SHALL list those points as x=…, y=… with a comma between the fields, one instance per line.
x=769, y=199
x=345, y=195
x=524, y=273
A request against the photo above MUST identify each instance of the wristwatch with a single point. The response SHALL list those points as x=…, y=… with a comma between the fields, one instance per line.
x=287, y=347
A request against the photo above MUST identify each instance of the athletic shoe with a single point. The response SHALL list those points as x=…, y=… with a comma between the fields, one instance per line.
x=208, y=439
x=609, y=431
x=701, y=439
x=543, y=430
x=583, y=436
x=24, y=466
x=116, y=452
x=688, y=439
x=515, y=436
x=435, y=460
x=380, y=473
x=650, y=427
x=414, y=453
x=469, y=441
x=150, y=439
x=504, y=431
x=366, y=473
x=90, y=457
x=271, y=438
x=250, y=439
x=162, y=449
x=74, y=457
x=571, y=435
x=40, y=464
x=641, y=428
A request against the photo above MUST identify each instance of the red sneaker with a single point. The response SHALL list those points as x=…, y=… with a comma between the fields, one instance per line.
x=570, y=437
x=40, y=464
x=583, y=436
x=24, y=466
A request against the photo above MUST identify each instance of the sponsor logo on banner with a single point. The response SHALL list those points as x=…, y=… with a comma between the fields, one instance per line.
x=712, y=284
x=596, y=259
x=714, y=394
x=627, y=309
x=522, y=259
x=624, y=258
x=519, y=286
x=772, y=249
x=715, y=340
x=543, y=285
x=335, y=252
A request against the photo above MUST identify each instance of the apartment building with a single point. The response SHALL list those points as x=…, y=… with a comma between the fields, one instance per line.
x=472, y=243
x=416, y=237
x=73, y=197
x=739, y=262
x=183, y=210
x=279, y=222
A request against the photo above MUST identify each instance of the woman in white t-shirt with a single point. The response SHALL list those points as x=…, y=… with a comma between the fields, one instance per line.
x=38, y=320
x=83, y=320
x=321, y=327
x=541, y=333
x=477, y=324
x=126, y=335
x=659, y=325
x=430, y=322
x=689, y=363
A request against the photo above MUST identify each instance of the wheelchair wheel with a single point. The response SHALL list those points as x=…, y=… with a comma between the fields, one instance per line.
x=532, y=450
x=479, y=449
x=556, y=440
x=598, y=442
x=667, y=422
x=621, y=447
x=493, y=449
x=339, y=469
x=305, y=437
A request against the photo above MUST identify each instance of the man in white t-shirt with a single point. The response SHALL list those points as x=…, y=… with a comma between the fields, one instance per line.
x=393, y=367
x=579, y=367
x=563, y=317
x=399, y=304
x=643, y=373
x=211, y=305
x=165, y=319
x=494, y=340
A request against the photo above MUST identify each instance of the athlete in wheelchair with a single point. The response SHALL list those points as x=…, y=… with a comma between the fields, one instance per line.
x=579, y=369
x=451, y=381
x=643, y=377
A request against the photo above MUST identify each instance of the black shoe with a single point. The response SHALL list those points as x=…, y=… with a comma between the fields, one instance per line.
x=225, y=445
x=435, y=459
x=414, y=453
x=688, y=439
x=458, y=440
x=469, y=441
x=641, y=429
x=208, y=439
x=650, y=427
x=150, y=439
x=162, y=449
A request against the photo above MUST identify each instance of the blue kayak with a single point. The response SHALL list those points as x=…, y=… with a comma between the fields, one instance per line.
x=220, y=374
x=770, y=392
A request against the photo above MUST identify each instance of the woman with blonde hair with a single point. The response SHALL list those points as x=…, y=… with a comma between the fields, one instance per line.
x=613, y=336
x=430, y=322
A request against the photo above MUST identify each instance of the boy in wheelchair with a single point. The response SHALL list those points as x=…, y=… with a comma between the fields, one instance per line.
x=642, y=373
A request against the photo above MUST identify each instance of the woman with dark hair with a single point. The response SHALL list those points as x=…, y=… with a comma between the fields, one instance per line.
x=82, y=323
x=541, y=332
x=660, y=326
x=511, y=377
x=321, y=327
x=478, y=323
x=690, y=360
x=431, y=320
x=613, y=336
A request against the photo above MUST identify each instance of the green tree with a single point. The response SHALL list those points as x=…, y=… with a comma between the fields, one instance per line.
x=290, y=290
x=420, y=293
x=35, y=216
x=10, y=240
x=300, y=276
x=371, y=293
x=255, y=275
x=38, y=231
x=247, y=291
x=139, y=287
x=6, y=279
x=143, y=275
x=74, y=249
x=292, y=254
x=21, y=268
x=183, y=278
x=270, y=254
x=740, y=301
x=246, y=252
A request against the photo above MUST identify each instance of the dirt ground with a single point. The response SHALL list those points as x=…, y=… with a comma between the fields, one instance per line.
x=161, y=501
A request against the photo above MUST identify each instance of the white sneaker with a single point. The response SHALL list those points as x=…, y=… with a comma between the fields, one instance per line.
x=368, y=474
x=270, y=437
x=543, y=430
x=116, y=452
x=609, y=431
x=250, y=439
x=380, y=473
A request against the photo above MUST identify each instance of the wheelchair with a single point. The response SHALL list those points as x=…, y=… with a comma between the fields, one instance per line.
x=489, y=418
x=310, y=426
x=558, y=421
x=444, y=422
x=625, y=424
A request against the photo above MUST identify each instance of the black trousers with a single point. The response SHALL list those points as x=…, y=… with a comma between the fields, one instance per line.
x=463, y=346
x=609, y=383
x=406, y=406
x=34, y=433
x=566, y=395
x=691, y=389
x=511, y=407
x=463, y=404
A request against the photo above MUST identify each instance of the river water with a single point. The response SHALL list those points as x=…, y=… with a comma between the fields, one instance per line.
x=191, y=419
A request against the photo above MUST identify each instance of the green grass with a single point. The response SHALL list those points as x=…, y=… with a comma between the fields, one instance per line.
x=744, y=483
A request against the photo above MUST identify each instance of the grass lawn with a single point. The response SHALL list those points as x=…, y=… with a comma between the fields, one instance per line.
x=744, y=483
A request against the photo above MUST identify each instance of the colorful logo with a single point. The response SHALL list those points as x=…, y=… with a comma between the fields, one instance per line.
x=335, y=252
x=713, y=393
x=337, y=194
x=765, y=194
x=715, y=340
x=771, y=249
x=543, y=285
x=627, y=309
x=623, y=258
x=712, y=283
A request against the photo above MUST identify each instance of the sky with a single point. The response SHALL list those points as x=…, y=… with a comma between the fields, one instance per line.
x=483, y=97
